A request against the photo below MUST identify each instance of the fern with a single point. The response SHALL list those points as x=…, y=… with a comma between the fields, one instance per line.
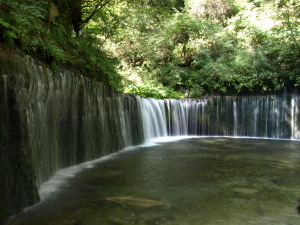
x=8, y=32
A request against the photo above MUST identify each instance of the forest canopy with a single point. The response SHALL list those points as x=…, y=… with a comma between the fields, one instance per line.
x=164, y=48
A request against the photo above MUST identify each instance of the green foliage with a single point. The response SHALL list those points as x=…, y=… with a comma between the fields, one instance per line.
x=253, y=47
x=164, y=48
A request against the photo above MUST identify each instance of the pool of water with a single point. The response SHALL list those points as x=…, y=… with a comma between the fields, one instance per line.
x=198, y=181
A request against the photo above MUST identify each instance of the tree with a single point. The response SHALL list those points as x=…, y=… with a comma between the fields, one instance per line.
x=214, y=9
x=182, y=28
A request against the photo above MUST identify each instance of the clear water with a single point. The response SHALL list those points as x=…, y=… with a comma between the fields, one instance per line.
x=199, y=181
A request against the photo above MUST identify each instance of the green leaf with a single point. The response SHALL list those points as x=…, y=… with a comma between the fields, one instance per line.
x=4, y=24
x=11, y=34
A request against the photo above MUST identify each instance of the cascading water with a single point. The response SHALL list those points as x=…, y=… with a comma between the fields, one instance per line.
x=235, y=131
x=72, y=120
x=295, y=118
x=153, y=118
x=252, y=116
x=178, y=117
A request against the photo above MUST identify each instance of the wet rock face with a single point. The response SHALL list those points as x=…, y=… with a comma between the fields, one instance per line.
x=17, y=186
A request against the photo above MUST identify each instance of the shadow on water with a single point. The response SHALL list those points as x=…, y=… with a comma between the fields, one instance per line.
x=200, y=181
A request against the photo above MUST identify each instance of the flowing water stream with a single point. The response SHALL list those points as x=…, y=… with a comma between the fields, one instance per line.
x=198, y=181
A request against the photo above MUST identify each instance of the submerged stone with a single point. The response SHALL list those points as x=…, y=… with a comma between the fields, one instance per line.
x=138, y=201
x=245, y=190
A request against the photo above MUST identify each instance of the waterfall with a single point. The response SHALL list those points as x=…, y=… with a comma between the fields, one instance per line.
x=153, y=118
x=71, y=119
x=295, y=118
x=65, y=119
x=270, y=116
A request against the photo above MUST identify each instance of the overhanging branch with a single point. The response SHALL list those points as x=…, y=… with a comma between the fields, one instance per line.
x=96, y=9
